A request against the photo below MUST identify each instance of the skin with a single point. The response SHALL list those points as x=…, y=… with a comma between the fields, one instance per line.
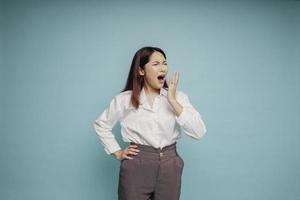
x=157, y=65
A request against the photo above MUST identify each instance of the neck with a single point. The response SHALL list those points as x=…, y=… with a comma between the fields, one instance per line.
x=150, y=90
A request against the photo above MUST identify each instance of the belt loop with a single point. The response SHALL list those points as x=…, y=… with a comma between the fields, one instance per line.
x=161, y=154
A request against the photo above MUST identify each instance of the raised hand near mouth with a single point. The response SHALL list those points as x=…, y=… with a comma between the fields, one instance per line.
x=172, y=94
x=172, y=87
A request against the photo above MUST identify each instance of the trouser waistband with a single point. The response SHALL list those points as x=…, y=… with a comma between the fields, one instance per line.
x=154, y=149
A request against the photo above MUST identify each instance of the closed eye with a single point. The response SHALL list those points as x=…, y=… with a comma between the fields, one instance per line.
x=157, y=63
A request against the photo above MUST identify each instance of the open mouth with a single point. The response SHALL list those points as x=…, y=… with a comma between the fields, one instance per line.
x=161, y=77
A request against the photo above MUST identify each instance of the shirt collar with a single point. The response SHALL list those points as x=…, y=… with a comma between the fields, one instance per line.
x=163, y=92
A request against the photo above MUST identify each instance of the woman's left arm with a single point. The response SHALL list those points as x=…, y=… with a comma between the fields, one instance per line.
x=187, y=116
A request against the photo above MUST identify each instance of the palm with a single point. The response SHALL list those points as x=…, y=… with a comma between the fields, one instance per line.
x=172, y=86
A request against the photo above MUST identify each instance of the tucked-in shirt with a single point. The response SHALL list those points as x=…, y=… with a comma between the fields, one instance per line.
x=157, y=126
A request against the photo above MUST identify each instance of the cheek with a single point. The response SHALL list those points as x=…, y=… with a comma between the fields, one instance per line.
x=151, y=75
x=151, y=78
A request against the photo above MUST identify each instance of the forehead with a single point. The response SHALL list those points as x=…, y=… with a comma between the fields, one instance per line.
x=156, y=56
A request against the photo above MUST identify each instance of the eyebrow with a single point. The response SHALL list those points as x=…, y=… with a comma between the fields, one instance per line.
x=158, y=61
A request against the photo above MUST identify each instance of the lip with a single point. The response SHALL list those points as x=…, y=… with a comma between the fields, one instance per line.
x=162, y=80
x=161, y=75
x=164, y=75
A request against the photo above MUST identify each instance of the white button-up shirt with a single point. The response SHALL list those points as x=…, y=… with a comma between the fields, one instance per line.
x=157, y=126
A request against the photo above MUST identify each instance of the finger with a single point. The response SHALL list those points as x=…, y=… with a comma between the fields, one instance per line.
x=169, y=82
x=132, y=147
x=128, y=157
x=177, y=77
x=132, y=151
x=174, y=77
x=125, y=155
x=135, y=150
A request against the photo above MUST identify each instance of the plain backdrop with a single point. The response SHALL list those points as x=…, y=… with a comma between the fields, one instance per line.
x=63, y=61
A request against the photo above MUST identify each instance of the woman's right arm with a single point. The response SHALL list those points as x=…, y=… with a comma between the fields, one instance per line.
x=104, y=124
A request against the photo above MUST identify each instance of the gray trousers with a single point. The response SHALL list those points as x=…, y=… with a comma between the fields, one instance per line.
x=153, y=174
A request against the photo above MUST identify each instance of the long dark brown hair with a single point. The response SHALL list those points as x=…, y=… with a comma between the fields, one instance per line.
x=135, y=82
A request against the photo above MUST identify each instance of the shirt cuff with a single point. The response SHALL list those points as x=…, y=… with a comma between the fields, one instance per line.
x=112, y=148
x=183, y=117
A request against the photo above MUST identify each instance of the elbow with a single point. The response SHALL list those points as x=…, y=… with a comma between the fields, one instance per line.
x=94, y=125
x=200, y=134
x=199, y=126
x=99, y=129
x=195, y=129
x=201, y=131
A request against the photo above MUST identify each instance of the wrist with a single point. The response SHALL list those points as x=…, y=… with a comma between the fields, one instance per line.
x=172, y=100
x=118, y=154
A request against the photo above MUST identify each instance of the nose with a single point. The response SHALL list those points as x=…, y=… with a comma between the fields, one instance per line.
x=163, y=68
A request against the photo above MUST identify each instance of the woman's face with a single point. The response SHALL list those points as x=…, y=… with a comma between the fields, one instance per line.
x=156, y=67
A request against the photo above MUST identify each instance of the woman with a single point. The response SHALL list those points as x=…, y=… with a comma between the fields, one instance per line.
x=151, y=113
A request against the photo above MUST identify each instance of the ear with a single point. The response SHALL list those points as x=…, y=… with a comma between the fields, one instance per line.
x=141, y=71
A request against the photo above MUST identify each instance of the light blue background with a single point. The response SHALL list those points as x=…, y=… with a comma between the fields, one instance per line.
x=63, y=61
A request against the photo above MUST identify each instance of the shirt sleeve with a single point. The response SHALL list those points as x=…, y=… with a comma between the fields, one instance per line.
x=190, y=119
x=104, y=124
